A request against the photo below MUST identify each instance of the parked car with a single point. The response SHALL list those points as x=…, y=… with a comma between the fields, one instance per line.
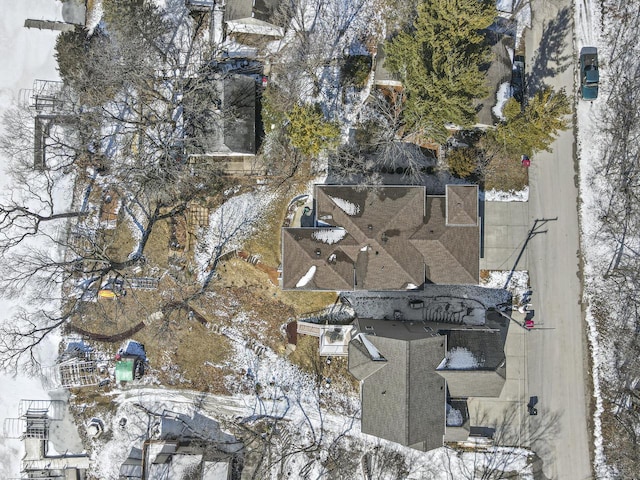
x=531, y=406
x=517, y=78
x=589, y=75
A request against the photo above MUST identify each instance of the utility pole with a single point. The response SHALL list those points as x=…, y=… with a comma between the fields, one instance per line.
x=537, y=223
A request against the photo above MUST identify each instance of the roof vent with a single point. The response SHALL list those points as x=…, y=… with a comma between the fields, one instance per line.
x=370, y=227
x=318, y=252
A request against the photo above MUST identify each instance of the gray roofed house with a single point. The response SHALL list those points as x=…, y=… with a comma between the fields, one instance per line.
x=481, y=370
x=229, y=126
x=403, y=399
x=252, y=16
x=384, y=238
x=415, y=377
x=239, y=121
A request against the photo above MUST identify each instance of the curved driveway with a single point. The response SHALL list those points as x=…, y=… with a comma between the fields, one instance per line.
x=557, y=351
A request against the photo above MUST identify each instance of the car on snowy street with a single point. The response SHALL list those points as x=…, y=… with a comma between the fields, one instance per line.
x=589, y=74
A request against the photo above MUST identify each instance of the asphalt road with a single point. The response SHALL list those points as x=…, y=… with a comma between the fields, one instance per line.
x=556, y=349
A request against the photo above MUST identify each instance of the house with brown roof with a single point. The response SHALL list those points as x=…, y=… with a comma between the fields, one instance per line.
x=384, y=238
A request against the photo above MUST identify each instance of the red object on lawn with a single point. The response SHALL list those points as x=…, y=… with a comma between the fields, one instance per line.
x=528, y=324
x=525, y=161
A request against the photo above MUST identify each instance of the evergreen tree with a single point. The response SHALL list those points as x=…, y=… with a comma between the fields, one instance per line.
x=462, y=161
x=308, y=130
x=534, y=128
x=439, y=62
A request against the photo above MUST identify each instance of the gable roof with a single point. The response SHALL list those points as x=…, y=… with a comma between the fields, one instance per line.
x=361, y=364
x=498, y=73
x=403, y=400
x=394, y=237
x=239, y=99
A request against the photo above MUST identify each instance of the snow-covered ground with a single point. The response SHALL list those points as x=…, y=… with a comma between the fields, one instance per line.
x=588, y=19
x=27, y=54
x=299, y=412
x=230, y=225
x=517, y=282
x=510, y=196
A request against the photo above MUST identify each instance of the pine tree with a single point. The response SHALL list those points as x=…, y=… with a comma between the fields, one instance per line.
x=439, y=62
x=309, y=132
x=534, y=128
x=462, y=161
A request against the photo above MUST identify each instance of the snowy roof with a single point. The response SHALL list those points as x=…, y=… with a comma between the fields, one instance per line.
x=254, y=27
x=475, y=364
x=403, y=398
x=385, y=238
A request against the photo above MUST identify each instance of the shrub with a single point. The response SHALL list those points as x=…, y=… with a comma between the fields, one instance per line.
x=356, y=70
x=309, y=131
x=462, y=161
x=533, y=129
x=505, y=173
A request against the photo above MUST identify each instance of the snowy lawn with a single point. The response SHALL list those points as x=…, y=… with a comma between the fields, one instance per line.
x=27, y=55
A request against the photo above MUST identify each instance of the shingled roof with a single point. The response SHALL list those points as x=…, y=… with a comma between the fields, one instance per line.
x=462, y=205
x=384, y=238
x=488, y=376
x=403, y=398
